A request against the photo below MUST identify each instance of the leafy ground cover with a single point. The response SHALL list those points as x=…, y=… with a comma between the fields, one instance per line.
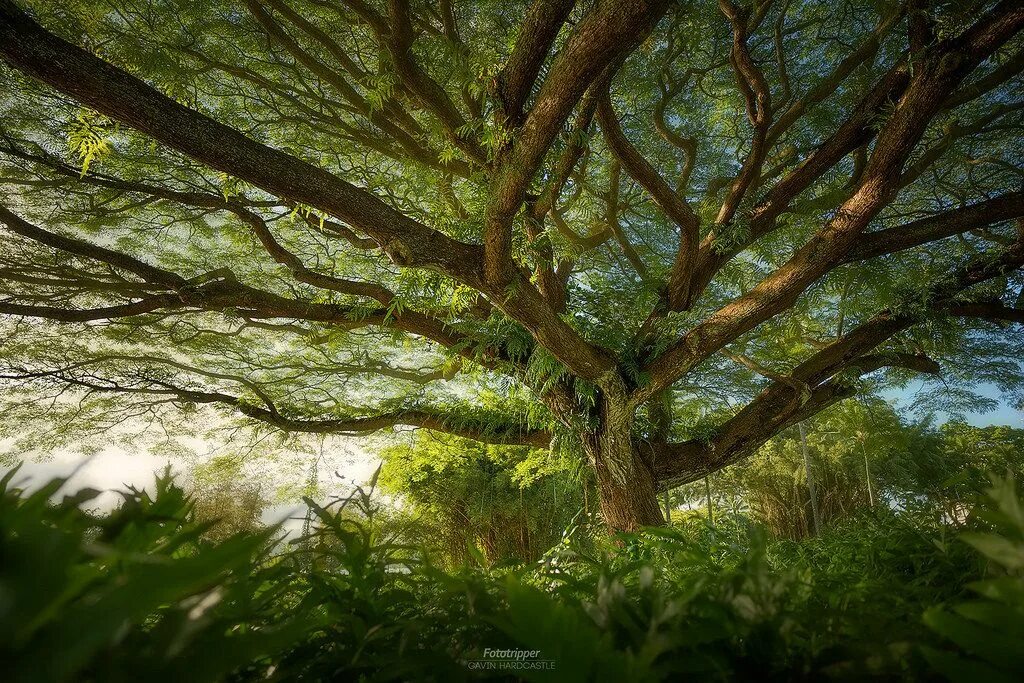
x=144, y=590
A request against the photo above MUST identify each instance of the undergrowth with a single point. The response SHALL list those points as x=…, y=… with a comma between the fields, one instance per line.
x=143, y=591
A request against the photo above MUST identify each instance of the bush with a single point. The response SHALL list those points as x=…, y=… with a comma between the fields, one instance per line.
x=484, y=503
x=144, y=590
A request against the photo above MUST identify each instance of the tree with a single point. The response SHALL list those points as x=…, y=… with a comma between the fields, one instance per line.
x=223, y=497
x=774, y=485
x=662, y=231
x=511, y=503
x=864, y=456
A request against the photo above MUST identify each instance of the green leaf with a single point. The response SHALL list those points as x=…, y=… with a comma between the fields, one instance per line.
x=997, y=548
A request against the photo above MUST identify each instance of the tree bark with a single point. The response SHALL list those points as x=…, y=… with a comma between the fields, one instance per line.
x=626, y=485
x=625, y=476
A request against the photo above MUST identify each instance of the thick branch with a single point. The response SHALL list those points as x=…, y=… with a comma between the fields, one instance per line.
x=939, y=226
x=812, y=385
x=28, y=47
x=987, y=310
x=608, y=32
x=537, y=34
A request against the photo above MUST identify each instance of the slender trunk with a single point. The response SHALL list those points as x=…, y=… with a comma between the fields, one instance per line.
x=810, y=480
x=867, y=474
x=625, y=479
x=842, y=303
x=707, y=494
x=491, y=547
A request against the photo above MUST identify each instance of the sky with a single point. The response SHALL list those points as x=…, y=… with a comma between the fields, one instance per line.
x=344, y=461
x=1004, y=414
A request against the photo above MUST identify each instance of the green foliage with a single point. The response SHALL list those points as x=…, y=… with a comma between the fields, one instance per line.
x=861, y=456
x=86, y=597
x=503, y=503
x=983, y=634
x=223, y=496
x=88, y=138
x=139, y=589
x=544, y=371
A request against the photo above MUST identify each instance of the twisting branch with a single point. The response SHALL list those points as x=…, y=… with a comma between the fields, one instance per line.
x=674, y=206
x=821, y=91
x=614, y=224
x=299, y=269
x=758, y=98
x=28, y=47
x=812, y=385
x=290, y=420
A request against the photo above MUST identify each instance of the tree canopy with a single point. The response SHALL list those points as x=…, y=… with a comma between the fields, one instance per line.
x=654, y=233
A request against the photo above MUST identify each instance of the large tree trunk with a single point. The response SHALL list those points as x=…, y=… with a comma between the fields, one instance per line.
x=626, y=485
x=625, y=478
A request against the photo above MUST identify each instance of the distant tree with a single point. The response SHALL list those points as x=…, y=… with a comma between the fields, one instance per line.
x=508, y=503
x=862, y=455
x=952, y=464
x=221, y=495
x=853, y=448
x=658, y=232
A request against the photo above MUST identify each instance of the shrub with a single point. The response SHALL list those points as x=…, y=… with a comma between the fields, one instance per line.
x=143, y=590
